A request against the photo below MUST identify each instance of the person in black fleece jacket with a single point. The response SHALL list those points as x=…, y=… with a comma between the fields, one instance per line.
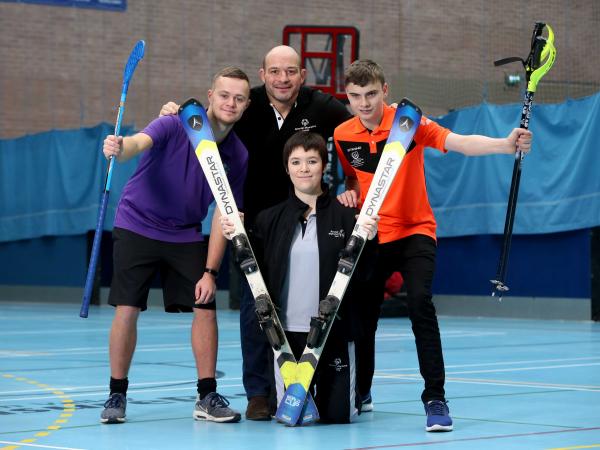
x=297, y=244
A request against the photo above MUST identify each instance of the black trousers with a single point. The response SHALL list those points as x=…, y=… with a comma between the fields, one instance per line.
x=414, y=258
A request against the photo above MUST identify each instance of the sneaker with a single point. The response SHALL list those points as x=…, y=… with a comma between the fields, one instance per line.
x=438, y=416
x=214, y=407
x=114, y=409
x=258, y=408
x=367, y=403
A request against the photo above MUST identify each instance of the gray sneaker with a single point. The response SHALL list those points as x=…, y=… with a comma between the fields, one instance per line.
x=114, y=409
x=214, y=407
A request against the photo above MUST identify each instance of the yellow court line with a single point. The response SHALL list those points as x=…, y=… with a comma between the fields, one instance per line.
x=576, y=447
x=68, y=407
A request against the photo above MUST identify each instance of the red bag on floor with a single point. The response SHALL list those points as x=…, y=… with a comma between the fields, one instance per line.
x=393, y=285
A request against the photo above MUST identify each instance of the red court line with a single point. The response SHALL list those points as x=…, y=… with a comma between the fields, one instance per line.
x=499, y=436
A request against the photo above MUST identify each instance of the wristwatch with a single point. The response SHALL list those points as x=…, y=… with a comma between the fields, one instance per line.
x=213, y=272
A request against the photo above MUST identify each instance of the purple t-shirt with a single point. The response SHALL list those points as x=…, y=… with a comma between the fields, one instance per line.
x=168, y=196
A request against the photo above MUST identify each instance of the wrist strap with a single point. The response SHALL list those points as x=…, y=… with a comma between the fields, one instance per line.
x=213, y=272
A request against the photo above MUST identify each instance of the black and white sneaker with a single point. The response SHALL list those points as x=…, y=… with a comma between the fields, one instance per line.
x=114, y=409
x=367, y=403
x=215, y=408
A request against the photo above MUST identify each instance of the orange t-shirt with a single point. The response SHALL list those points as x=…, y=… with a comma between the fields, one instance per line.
x=406, y=209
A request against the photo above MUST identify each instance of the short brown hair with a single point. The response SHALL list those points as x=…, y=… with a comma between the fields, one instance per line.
x=362, y=72
x=231, y=72
x=308, y=141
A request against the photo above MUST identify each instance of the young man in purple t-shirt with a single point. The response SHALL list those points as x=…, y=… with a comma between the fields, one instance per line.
x=157, y=228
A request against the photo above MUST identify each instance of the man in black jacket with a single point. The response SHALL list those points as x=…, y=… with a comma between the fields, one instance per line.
x=278, y=109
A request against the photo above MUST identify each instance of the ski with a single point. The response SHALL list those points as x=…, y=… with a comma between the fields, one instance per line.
x=405, y=124
x=195, y=122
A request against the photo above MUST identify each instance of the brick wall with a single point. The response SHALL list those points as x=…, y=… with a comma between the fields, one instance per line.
x=62, y=67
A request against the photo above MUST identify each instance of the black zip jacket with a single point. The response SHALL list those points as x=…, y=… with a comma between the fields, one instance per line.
x=272, y=239
x=267, y=183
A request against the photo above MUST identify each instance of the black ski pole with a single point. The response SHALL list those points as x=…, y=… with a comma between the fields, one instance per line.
x=538, y=63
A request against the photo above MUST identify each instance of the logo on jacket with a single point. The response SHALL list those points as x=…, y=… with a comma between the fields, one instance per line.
x=195, y=122
x=306, y=126
x=337, y=233
x=337, y=365
x=356, y=160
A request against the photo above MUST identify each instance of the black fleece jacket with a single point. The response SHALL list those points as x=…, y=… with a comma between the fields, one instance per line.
x=267, y=183
x=272, y=239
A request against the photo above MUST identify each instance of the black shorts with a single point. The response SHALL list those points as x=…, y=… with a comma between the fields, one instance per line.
x=137, y=259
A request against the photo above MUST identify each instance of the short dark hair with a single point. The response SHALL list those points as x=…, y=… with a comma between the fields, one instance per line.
x=231, y=72
x=362, y=72
x=308, y=141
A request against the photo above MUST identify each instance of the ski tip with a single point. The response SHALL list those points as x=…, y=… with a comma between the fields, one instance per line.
x=191, y=101
x=407, y=102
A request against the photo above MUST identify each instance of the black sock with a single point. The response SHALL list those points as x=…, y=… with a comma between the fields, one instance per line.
x=119, y=386
x=206, y=386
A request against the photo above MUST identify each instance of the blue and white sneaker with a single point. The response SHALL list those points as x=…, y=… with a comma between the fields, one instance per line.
x=114, y=409
x=215, y=408
x=367, y=403
x=438, y=416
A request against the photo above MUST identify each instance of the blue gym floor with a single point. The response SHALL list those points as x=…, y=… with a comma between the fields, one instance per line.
x=512, y=384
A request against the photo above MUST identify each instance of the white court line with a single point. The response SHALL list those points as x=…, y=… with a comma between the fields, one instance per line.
x=519, y=369
x=88, y=330
x=444, y=333
x=389, y=337
x=148, y=325
x=131, y=385
x=21, y=444
x=515, y=369
x=503, y=363
x=104, y=392
x=563, y=387
x=568, y=387
x=101, y=350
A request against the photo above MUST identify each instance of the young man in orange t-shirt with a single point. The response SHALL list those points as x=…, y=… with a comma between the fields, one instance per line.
x=407, y=241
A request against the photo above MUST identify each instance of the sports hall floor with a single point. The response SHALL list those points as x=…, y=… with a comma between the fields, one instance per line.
x=512, y=384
